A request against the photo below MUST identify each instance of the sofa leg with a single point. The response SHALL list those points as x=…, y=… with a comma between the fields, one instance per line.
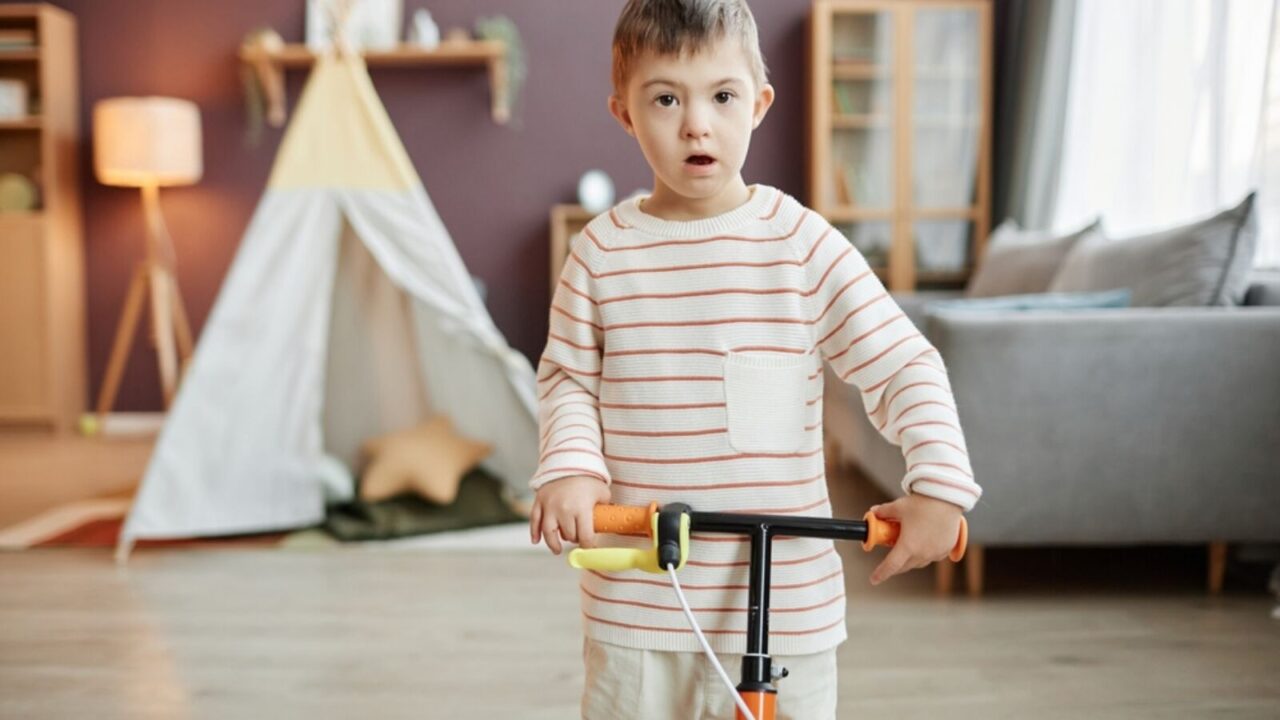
x=1217, y=566
x=974, y=562
x=944, y=577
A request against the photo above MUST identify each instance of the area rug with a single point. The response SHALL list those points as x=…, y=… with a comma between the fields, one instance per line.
x=478, y=519
x=96, y=523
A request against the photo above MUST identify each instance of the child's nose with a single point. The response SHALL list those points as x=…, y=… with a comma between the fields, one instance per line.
x=696, y=124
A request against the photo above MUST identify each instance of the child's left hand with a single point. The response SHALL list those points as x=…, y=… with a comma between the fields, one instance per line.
x=929, y=530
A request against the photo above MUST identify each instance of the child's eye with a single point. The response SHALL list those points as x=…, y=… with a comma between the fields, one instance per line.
x=723, y=97
x=666, y=100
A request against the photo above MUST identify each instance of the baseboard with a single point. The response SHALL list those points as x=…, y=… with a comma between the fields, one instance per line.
x=130, y=424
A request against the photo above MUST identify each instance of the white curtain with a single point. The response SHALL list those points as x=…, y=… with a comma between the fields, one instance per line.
x=1164, y=111
x=1269, y=158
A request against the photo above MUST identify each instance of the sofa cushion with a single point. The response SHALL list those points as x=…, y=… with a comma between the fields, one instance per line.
x=1037, y=301
x=1264, y=288
x=915, y=304
x=1202, y=263
x=1019, y=262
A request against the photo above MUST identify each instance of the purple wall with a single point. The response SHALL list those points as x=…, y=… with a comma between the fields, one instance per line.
x=492, y=185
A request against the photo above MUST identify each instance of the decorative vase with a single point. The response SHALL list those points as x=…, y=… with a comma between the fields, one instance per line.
x=423, y=31
x=595, y=191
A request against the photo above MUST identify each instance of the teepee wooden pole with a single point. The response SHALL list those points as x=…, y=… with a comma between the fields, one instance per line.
x=339, y=19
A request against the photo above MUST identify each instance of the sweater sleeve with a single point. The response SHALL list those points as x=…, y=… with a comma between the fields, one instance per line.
x=571, y=441
x=871, y=344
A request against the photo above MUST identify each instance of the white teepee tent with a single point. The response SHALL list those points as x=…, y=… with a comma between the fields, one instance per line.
x=346, y=313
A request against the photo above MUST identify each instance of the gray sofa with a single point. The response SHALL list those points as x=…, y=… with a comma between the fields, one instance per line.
x=1117, y=426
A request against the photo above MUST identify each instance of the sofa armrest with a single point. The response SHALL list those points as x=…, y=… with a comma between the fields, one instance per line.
x=915, y=304
x=1119, y=425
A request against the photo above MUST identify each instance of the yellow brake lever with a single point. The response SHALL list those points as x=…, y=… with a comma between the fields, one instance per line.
x=616, y=559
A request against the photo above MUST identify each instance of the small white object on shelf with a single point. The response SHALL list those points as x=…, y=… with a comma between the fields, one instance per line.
x=595, y=191
x=13, y=99
x=423, y=31
x=368, y=24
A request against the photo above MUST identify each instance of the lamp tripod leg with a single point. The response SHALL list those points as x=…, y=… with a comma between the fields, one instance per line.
x=163, y=289
x=125, y=331
x=162, y=324
x=182, y=328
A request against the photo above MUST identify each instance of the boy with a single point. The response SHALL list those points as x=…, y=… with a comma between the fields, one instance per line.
x=684, y=364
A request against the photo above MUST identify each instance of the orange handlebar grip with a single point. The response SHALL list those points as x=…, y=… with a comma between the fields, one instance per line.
x=880, y=532
x=624, y=519
x=885, y=532
x=962, y=542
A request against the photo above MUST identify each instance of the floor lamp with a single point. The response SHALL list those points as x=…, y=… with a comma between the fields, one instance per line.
x=148, y=143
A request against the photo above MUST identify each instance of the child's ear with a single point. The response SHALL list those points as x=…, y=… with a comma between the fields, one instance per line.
x=764, y=101
x=618, y=109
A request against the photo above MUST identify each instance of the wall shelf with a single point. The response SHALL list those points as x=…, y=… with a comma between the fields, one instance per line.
x=491, y=54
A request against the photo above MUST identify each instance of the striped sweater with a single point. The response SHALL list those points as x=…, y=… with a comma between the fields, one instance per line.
x=684, y=364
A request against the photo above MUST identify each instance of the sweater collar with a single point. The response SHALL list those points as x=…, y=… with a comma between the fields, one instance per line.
x=754, y=209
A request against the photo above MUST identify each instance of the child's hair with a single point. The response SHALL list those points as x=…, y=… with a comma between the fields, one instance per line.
x=678, y=27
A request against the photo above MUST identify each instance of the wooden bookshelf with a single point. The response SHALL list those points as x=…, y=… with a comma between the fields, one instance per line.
x=899, y=132
x=567, y=220
x=42, y=304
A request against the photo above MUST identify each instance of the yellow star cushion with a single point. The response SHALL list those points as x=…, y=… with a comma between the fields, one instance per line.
x=429, y=459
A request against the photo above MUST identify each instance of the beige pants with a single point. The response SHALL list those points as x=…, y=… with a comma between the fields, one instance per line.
x=627, y=684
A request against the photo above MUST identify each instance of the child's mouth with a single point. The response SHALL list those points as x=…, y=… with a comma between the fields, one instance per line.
x=700, y=160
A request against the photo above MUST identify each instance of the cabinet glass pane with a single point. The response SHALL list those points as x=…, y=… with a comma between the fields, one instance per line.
x=943, y=249
x=872, y=239
x=946, y=114
x=862, y=111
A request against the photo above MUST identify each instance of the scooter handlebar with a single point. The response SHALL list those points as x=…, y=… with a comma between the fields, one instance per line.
x=885, y=532
x=638, y=520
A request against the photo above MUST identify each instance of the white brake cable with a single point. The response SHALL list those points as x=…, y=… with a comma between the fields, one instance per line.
x=706, y=648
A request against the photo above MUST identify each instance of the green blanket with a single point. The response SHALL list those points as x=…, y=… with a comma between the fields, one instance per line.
x=479, y=503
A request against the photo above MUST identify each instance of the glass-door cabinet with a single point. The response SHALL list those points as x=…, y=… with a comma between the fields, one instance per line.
x=899, y=133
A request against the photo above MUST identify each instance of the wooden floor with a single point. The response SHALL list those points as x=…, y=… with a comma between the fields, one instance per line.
x=360, y=633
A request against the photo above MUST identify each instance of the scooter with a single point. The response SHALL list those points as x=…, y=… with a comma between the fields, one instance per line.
x=669, y=527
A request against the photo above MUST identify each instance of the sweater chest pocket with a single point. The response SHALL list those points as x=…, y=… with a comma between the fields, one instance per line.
x=765, y=401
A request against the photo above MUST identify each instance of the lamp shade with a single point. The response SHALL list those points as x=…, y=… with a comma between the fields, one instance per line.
x=139, y=141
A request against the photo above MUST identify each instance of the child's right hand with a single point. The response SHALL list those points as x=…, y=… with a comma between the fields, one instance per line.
x=563, y=510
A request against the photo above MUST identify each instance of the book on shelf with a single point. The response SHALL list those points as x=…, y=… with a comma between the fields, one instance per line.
x=844, y=194
x=850, y=186
x=857, y=182
x=842, y=98
x=17, y=39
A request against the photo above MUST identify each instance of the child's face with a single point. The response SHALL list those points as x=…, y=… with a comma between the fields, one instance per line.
x=693, y=116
